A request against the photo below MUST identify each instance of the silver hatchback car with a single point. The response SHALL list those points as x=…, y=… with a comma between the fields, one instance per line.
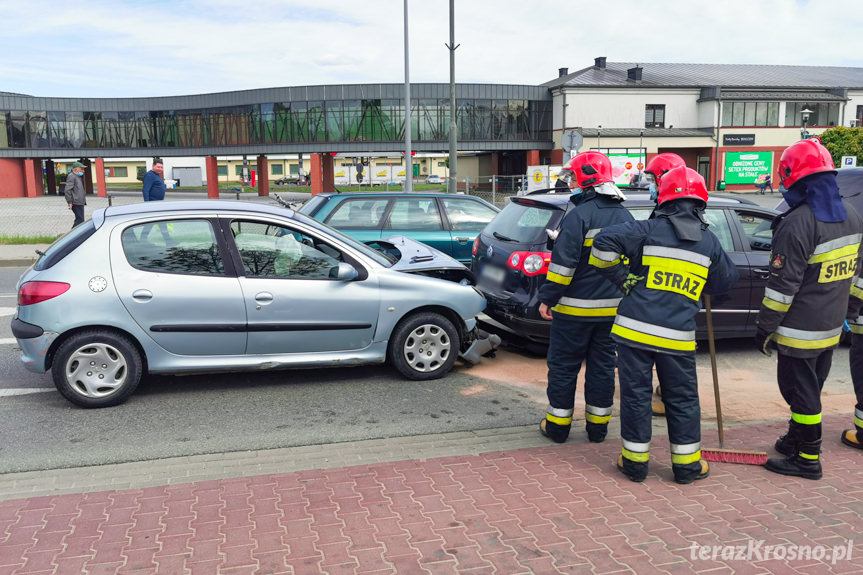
x=206, y=286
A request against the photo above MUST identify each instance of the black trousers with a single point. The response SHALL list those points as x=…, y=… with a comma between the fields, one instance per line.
x=679, y=383
x=855, y=358
x=78, y=212
x=800, y=383
x=572, y=343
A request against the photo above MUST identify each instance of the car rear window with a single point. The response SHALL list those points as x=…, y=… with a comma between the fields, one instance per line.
x=65, y=245
x=524, y=224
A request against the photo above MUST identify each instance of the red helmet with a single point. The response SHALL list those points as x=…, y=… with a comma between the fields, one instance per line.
x=661, y=163
x=591, y=169
x=802, y=159
x=682, y=183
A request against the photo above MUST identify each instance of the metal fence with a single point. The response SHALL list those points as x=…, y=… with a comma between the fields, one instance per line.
x=48, y=216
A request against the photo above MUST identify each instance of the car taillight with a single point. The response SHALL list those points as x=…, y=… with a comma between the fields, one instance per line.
x=35, y=292
x=475, y=245
x=529, y=263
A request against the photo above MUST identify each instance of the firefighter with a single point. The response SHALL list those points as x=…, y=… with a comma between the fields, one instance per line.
x=656, y=167
x=816, y=245
x=581, y=304
x=673, y=259
x=854, y=437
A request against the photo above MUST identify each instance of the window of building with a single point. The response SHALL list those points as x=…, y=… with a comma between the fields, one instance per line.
x=822, y=113
x=859, y=116
x=116, y=172
x=223, y=170
x=750, y=114
x=441, y=164
x=276, y=169
x=654, y=116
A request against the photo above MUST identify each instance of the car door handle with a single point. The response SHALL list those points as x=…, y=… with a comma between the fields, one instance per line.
x=462, y=240
x=142, y=295
x=763, y=274
x=264, y=297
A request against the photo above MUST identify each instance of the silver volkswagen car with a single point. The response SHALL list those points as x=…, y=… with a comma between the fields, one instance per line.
x=206, y=286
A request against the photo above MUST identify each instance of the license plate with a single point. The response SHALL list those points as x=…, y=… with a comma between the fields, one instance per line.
x=493, y=274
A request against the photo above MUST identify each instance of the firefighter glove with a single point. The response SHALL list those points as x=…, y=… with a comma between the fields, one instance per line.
x=630, y=282
x=762, y=340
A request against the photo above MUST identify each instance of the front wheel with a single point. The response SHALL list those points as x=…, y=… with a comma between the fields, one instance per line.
x=424, y=346
x=97, y=368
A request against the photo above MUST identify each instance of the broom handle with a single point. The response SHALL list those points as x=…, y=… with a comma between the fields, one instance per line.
x=712, y=346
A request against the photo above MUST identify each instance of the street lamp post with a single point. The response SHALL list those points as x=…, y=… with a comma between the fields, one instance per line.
x=804, y=113
x=599, y=138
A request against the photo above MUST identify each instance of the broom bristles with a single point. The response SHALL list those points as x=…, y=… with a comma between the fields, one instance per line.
x=734, y=456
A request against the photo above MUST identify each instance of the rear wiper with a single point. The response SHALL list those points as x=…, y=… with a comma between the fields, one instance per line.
x=502, y=237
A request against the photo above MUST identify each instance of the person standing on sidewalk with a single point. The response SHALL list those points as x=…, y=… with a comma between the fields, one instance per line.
x=581, y=304
x=815, y=254
x=673, y=259
x=154, y=182
x=74, y=193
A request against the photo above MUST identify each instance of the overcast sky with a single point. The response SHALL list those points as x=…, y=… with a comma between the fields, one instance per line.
x=129, y=48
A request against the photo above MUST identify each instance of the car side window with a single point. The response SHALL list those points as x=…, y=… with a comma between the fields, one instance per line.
x=758, y=231
x=414, y=214
x=467, y=214
x=273, y=251
x=173, y=246
x=358, y=213
x=640, y=214
x=720, y=228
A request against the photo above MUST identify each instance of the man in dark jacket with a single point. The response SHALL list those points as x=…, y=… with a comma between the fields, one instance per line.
x=673, y=259
x=154, y=183
x=74, y=193
x=814, y=258
x=581, y=304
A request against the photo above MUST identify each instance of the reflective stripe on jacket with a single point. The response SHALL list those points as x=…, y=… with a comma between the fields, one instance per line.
x=573, y=288
x=813, y=266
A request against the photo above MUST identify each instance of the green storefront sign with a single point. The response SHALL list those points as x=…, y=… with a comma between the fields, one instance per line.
x=747, y=167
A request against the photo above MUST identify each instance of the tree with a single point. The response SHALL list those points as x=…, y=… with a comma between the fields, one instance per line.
x=141, y=173
x=842, y=141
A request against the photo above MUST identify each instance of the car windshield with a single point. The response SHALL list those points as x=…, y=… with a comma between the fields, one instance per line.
x=523, y=223
x=381, y=258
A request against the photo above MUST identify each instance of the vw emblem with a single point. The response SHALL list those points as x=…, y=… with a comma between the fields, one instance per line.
x=489, y=251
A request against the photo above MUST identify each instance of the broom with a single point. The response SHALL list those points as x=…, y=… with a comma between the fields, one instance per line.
x=719, y=454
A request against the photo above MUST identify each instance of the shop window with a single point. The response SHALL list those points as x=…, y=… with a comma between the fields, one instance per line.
x=822, y=113
x=654, y=116
x=750, y=114
x=276, y=169
x=223, y=170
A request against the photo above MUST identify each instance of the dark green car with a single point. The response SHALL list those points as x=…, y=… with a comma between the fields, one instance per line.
x=447, y=222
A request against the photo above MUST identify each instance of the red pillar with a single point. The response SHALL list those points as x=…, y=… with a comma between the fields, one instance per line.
x=12, y=178
x=101, y=185
x=88, y=176
x=533, y=157
x=558, y=157
x=32, y=178
x=212, y=177
x=263, y=176
x=315, y=174
x=328, y=174
x=495, y=163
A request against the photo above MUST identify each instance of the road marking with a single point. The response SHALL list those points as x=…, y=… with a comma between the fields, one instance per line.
x=8, y=295
x=7, y=340
x=23, y=391
x=7, y=311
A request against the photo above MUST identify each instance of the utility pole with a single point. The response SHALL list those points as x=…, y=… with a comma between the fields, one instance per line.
x=409, y=163
x=452, y=184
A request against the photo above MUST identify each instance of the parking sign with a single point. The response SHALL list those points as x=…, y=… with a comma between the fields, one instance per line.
x=849, y=161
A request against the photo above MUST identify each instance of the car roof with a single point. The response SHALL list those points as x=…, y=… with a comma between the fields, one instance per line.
x=636, y=199
x=197, y=205
x=385, y=193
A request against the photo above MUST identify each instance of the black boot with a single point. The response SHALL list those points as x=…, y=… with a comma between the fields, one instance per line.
x=805, y=463
x=853, y=438
x=555, y=432
x=596, y=432
x=685, y=474
x=634, y=471
x=788, y=444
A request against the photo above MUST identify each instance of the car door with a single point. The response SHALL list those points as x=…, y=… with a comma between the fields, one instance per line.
x=730, y=308
x=757, y=238
x=293, y=303
x=419, y=219
x=465, y=218
x=360, y=218
x=174, y=279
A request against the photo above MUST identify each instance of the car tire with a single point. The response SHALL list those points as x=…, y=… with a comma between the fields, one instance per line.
x=424, y=346
x=115, y=374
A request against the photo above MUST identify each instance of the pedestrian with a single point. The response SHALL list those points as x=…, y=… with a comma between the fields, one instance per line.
x=154, y=182
x=768, y=183
x=656, y=168
x=74, y=193
x=581, y=304
x=673, y=259
x=814, y=258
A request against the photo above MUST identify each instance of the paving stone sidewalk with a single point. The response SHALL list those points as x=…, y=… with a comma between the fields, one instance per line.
x=537, y=510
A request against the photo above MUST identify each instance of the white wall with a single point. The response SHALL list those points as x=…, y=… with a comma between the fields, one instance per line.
x=855, y=98
x=624, y=108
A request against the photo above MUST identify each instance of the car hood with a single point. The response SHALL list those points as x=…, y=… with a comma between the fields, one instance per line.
x=416, y=256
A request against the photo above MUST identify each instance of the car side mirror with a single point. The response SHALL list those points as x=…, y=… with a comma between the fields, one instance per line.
x=346, y=272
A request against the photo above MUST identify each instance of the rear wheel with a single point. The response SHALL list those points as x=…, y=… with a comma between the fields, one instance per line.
x=97, y=368
x=424, y=346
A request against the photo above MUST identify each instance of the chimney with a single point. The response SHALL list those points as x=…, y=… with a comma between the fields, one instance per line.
x=599, y=62
x=634, y=74
x=561, y=72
